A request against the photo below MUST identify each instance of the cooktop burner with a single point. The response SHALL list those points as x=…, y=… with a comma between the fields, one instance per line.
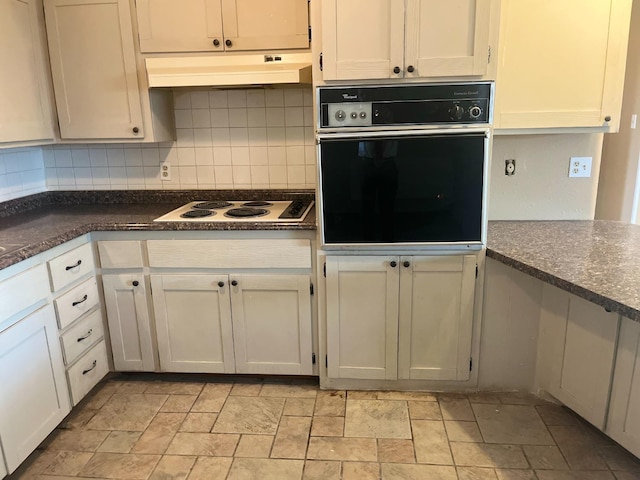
x=240, y=211
x=246, y=212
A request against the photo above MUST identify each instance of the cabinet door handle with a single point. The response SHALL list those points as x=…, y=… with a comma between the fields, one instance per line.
x=410, y=69
x=607, y=118
x=86, y=336
x=407, y=264
x=234, y=283
x=216, y=42
x=78, y=302
x=393, y=264
x=221, y=284
x=73, y=266
x=228, y=43
x=93, y=365
x=135, y=283
x=396, y=70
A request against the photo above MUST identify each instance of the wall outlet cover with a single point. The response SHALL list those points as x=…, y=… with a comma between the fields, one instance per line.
x=580, y=167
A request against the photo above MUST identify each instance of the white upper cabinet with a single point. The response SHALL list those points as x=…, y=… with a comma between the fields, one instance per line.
x=218, y=25
x=561, y=64
x=94, y=69
x=25, y=103
x=369, y=39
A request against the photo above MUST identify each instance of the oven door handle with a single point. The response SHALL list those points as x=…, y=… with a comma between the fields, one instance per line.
x=403, y=133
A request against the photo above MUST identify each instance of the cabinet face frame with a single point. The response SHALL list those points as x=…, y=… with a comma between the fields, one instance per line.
x=79, y=103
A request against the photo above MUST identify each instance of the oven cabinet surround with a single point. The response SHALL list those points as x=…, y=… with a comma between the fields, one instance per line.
x=624, y=410
x=429, y=39
x=400, y=318
x=219, y=25
x=561, y=64
x=99, y=80
x=576, y=352
x=25, y=97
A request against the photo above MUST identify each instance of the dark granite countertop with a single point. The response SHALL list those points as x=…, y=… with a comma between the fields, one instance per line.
x=42, y=221
x=597, y=260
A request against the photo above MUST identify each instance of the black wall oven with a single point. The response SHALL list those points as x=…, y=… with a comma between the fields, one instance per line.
x=404, y=165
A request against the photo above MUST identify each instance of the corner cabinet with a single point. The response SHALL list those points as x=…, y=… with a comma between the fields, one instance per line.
x=561, y=64
x=392, y=318
x=25, y=102
x=365, y=39
x=219, y=25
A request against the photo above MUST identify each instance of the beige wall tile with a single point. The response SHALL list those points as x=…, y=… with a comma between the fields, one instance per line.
x=430, y=441
x=292, y=438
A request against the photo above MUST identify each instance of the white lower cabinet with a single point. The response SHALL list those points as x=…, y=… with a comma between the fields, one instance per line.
x=577, y=345
x=33, y=397
x=394, y=318
x=233, y=323
x=126, y=301
x=624, y=411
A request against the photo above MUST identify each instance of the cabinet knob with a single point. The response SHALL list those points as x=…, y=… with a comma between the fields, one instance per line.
x=607, y=118
x=135, y=129
x=410, y=69
x=407, y=264
x=216, y=42
x=234, y=283
x=221, y=284
x=393, y=264
x=135, y=283
x=228, y=43
x=396, y=70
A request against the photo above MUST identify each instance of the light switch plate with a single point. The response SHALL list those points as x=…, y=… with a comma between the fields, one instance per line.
x=580, y=167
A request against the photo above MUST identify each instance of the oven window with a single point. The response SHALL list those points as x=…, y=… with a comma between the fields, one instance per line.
x=402, y=189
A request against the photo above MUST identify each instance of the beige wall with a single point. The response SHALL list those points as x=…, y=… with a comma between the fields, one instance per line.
x=541, y=188
x=621, y=152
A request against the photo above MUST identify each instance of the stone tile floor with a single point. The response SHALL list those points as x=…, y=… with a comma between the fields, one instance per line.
x=210, y=428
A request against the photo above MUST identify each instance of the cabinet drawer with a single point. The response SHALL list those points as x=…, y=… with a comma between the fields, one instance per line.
x=81, y=336
x=22, y=291
x=71, y=266
x=76, y=302
x=87, y=372
x=121, y=254
x=286, y=253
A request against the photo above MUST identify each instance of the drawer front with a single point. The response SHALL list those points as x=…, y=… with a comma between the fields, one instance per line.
x=69, y=267
x=81, y=336
x=87, y=372
x=285, y=253
x=121, y=254
x=23, y=290
x=76, y=302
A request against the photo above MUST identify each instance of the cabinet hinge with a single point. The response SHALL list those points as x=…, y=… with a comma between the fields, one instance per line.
x=470, y=364
x=311, y=289
x=324, y=269
x=320, y=61
x=489, y=55
x=313, y=358
x=326, y=361
x=476, y=270
x=309, y=33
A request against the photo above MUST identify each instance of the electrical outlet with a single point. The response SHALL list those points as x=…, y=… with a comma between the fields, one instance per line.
x=634, y=121
x=510, y=167
x=165, y=171
x=580, y=167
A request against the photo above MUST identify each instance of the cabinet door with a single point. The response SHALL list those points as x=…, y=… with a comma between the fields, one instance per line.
x=25, y=106
x=582, y=345
x=362, y=317
x=260, y=25
x=94, y=68
x=362, y=39
x=624, y=410
x=179, y=25
x=193, y=323
x=561, y=64
x=436, y=317
x=34, y=397
x=447, y=38
x=272, y=324
x=125, y=296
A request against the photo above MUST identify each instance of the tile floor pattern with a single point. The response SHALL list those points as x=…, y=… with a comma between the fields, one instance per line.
x=158, y=428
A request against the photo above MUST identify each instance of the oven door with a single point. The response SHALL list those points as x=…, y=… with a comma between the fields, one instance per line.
x=408, y=188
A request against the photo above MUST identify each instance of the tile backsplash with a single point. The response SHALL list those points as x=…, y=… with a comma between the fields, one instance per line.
x=234, y=138
x=21, y=173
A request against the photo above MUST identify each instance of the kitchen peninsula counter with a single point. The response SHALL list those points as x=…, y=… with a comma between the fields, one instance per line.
x=43, y=221
x=597, y=260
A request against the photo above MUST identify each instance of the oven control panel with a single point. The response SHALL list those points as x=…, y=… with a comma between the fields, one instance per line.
x=349, y=114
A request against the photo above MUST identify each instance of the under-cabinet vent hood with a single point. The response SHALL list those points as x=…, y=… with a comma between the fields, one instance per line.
x=229, y=70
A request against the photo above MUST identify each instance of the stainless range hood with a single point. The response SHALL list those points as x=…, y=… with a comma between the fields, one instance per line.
x=229, y=70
